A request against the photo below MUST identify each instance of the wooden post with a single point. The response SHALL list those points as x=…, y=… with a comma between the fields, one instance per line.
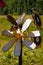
x=20, y=57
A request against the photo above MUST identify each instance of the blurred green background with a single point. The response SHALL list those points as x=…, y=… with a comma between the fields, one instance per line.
x=19, y=6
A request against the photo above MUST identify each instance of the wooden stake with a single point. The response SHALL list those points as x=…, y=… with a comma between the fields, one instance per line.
x=20, y=57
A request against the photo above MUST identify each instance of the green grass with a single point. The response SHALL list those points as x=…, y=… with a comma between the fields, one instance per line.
x=30, y=57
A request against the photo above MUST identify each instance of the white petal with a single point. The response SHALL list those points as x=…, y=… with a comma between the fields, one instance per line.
x=26, y=24
x=10, y=32
x=33, y=45
x=36, y=33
